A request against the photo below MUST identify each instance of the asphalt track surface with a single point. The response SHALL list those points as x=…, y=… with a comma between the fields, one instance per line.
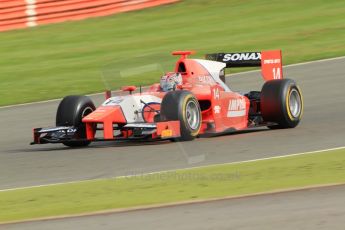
x=322, y=127
x=314, y=209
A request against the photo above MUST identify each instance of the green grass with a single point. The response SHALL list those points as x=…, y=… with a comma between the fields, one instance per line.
x=202, y=183
x=56, y=60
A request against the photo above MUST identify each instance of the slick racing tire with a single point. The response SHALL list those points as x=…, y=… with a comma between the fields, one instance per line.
x=70, y=112
x=281, y=103
x=183, y=106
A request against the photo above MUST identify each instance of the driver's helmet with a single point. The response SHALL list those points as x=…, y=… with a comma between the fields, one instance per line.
x=170, y=81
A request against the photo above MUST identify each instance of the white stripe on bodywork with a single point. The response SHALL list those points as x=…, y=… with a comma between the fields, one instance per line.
x=132, y=106
x=239, y=113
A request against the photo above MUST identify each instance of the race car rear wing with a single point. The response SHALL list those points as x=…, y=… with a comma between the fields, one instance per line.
x=270, y=62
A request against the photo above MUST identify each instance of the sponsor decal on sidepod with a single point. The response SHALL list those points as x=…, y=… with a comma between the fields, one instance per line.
x=237, y=108
x=217, y=109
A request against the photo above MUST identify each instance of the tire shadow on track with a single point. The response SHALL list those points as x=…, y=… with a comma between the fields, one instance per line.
x=237, y=132
x=95, y=145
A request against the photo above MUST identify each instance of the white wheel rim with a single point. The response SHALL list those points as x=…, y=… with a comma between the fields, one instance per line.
x=295, y=103
x=193, y=115
x=86, y=112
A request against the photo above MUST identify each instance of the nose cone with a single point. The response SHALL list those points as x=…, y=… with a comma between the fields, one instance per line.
x=106, y=114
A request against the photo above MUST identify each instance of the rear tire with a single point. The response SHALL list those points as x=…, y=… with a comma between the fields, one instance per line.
x=70, y=112
x=183, y=106
x=282, y=103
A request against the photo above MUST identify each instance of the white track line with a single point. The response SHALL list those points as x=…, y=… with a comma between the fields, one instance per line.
x=246, y=72
x=173, y=170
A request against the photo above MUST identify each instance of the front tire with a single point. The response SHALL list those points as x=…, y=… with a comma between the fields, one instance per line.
x=70, y=112
x=281, y=103
x=183, y=106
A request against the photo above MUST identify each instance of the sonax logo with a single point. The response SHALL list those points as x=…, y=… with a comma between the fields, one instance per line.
x=237, y=108
x=242, y=57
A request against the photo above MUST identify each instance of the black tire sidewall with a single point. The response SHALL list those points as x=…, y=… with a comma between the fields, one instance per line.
x=70, y=113
x=275, y=103
x=173, y=107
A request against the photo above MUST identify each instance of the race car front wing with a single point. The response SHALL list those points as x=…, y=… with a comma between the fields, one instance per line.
x=135, y=131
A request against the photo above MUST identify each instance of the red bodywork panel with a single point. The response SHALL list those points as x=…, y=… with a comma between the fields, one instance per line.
x=168, y=129
x=271, y=65
x=107, y=115
x=129, y=88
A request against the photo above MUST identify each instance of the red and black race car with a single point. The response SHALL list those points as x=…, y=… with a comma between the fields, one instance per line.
x=197, y=103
